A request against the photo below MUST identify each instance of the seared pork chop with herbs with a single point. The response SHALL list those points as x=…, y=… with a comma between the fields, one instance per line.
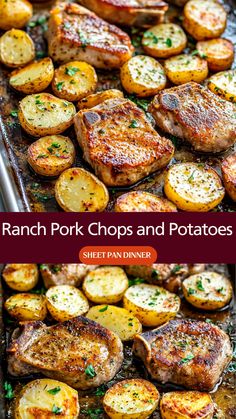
x=65, y=273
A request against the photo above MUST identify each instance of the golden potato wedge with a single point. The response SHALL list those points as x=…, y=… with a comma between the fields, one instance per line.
x=65, y=302
x=207, y=290
x=26, y=306
x=164, y=40
x=16, y=48
x=74, y=80
x=185, y=68
x=21, y=276
x=14, y=13
x=105, y=285
x=186, y=405
x=33, y=78
x=193, y=187
x=151, y=304
x=99, y=97
x=224, y=85
x=142, y=76
x=131, y=399
x=219, y=53
x=228, y=169
x=204, y=19
x=80, y=191
x=140, y=201
x=46, y=398
x=117, y=319
x=44, y=114
x=51, y=155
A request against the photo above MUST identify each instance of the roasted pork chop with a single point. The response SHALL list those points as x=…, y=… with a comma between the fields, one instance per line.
x=120, y=143
x=185, y=352
x=75, y=33
x=65, y=273
x=194, y=113
x=78, y=352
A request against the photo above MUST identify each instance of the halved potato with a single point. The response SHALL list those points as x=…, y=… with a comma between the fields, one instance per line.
x=207, y=290
x=204, y=19
x=106, y=285
x=51, y=155
x=224, y=85
x=193, y=187
x=33, y=78
x=99, y=97
x=186, y=405
x=46, y=398
x=131, y=399
x=151, y=304
x=21, y=276
x=44, y=114
x=228, y=169
x=117, y=319
x=140, y=201
x=16, y=48
x=219, y=53
x=14, y=13
x=65, y=302
x=143, y=76
x=164, y=40
x=185, y=68
x=74, y=80
x=80, y=191
x=26, y=307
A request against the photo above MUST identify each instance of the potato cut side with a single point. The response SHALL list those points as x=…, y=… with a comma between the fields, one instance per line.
x=116, y=319
x=45, y=398
x=14, y=13
x=99, y=97
x=21, y=276
x=193, y=187
x=224, y=85
x=131, y=399
x=16, y=48
x=65, y=302
x=228, y=169
x=140, y=201
x=143, y=76
x=207, y=290
x=26, y=306
x=219, y=53
x=185, y=68
x=80, y=191
x=33, y=78
x=105, y=285
x=51, y=155
x=186, y=405
x=151, y=304
x=164, y=40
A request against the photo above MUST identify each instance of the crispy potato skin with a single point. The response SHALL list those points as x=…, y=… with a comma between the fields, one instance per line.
x=14, y=13
x=95, y=99
x=223, y=84
x=21, y=277
x=16, y=48
x=186, y=405
x=228, y=169
x=186, y=68
x=219, y=53
x=65, y=302
x=140, y=201
x=26, y=307
x=171, y=40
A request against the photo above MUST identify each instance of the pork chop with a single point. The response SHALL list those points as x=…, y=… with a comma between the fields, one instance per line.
x=65, y=273
x=75, y=33
x=194, y=113
x=120, y=143
x=78, y=352
x=185, y=352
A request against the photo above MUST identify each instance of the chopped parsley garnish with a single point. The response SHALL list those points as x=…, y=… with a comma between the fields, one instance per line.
x=89, y=371
x=155, y=274
x=56, y=268
x=9, y=393
x=40, y=54
x=42, y=156
x=150, y=38
x=196, y=52
x=54, y=390
x=176, y=269
x=93, y=413
x=169, y=42
x=59, y=85
x=103, y=309
x=135, y=281
x=199, y=285
x=14, y=113
x=133, y=124
x=191, y=291
x=100, y=391
x=141, y=103
x=221, y=290
x=71, y=71
x=56, y=410
x=187, y=359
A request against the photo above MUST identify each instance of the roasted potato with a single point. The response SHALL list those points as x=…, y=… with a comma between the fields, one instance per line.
x=105, y=285
x=164, y=40
x=51, y=155
x=33, y=78
x=142, y=76
x=131, y=399
x=151, y=304
x=99, y=97
x=140, y=201
x=228, y=169
x=186, y=405
x=80, y=191
x=45, y=114
x=16, y=48
x=45, y=398
x=65, y=302
x=224, y=85
x=219, y=53
x=193, y=187
x=204, y=19
x=14, y=13
x=207, y=290
x=26, y=307
x=185, y=68
x=74, y=80
x=21, y=276
x=117, y=319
